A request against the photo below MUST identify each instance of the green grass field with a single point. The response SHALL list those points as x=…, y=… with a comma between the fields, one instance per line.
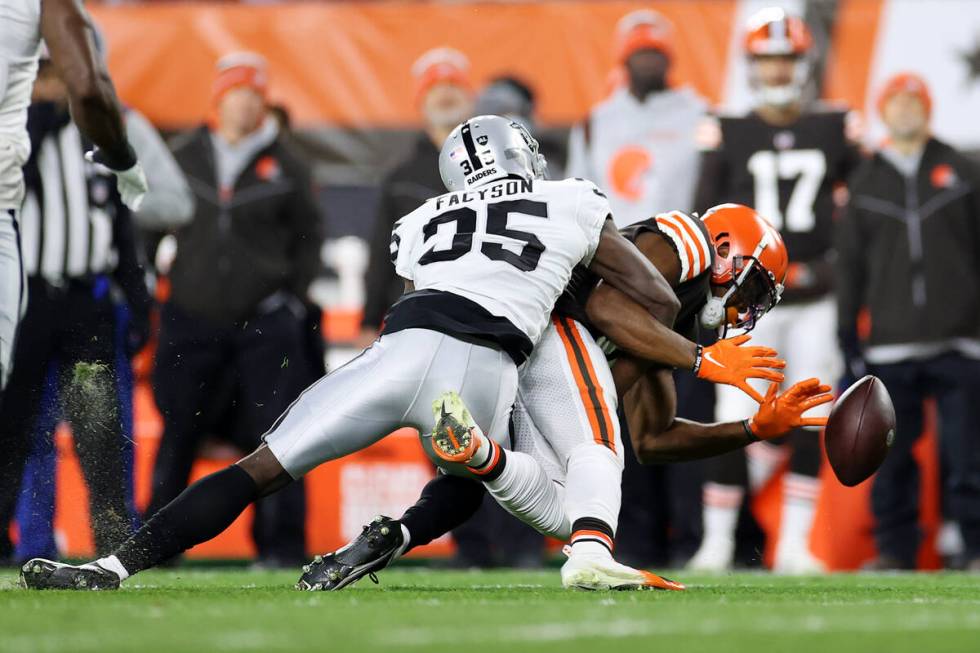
x=500, y=611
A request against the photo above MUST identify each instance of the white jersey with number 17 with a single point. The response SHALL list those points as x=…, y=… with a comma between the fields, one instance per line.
x=509, y=246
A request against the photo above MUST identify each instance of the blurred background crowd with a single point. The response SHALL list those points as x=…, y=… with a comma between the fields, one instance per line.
x=281, y=142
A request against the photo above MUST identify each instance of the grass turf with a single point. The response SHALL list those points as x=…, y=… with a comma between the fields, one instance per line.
x=499, y=611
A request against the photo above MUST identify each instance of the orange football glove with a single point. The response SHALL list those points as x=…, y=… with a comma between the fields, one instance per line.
x=781, y=412
x=729, y=363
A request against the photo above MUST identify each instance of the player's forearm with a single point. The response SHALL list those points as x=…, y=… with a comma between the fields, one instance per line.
x=636, y=331
x=68, y=33
x=98, y=117
x=685, y=440
x=620, y=263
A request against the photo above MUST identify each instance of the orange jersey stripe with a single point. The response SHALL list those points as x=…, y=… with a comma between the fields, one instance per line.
x=693, y=239
x=694, y=236
x=585, y=378
x=679, y=236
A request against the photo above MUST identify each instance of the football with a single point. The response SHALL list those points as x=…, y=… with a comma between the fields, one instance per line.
x=860, y=430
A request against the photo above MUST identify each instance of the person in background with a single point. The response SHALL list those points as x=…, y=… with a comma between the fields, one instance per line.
x=81, y=261
x=908, y=248
x=444, y=96
x=785, y=158
x=239, y=279
x=316, y=344
x=168, y=203
x=639, y=144
x=511, y=97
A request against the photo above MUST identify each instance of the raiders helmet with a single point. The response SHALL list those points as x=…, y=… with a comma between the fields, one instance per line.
x=487, y=148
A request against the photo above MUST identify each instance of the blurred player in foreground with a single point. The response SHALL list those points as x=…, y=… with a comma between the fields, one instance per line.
x=784, y=159
x=66, y=28
x=726, y=269
x=472, y=312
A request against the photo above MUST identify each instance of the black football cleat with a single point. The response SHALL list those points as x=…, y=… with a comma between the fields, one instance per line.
x=41, y=574
x=373, y=550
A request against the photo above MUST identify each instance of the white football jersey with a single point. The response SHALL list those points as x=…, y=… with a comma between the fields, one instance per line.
x=20, y=42
x=509, y=246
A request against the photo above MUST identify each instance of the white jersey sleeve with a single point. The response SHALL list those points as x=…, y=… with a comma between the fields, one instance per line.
x=592, y=211
x=405, y=238
x=20, y=41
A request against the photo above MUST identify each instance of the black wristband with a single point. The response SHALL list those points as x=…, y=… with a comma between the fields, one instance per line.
x=748, y=431
x=117, y=161
x=698, y=356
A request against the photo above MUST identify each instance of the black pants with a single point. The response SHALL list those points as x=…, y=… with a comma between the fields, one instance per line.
x=953, y=381
x=260, y=367
x=74, y=325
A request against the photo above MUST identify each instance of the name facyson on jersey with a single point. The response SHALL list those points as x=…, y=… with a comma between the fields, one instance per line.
x=495, y=191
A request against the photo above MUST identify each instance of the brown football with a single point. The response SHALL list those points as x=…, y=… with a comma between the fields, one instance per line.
x=859, y=431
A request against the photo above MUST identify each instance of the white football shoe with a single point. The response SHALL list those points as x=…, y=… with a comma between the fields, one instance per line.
x=586, y=571
x=797, y=561
x=715, y=555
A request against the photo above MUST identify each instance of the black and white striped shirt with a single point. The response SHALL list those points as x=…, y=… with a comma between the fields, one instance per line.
x=69, y=209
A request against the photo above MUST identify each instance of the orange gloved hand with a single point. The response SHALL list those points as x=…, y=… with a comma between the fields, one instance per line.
x=781, y=412
x=729, y=363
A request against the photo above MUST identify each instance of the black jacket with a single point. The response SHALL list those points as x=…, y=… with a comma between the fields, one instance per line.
x=909, y=250
x=262, y=238
x=403, y=190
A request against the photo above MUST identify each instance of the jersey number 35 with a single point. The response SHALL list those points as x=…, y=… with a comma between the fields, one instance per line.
x=497, y=216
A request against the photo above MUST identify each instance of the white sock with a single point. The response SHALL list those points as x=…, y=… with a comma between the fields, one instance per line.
x=590, y=548
x=763, y=460
x=112, y=564
x=721, y=506
x=526, y=492
x=406, y=542
x=483, y=452
x=799, y=504
x=594, y=484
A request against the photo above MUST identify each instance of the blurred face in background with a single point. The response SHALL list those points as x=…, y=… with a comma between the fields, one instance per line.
x=647, y=71
x=240, y=111
x=906, y=116
x=446, y=104
x=774, y=70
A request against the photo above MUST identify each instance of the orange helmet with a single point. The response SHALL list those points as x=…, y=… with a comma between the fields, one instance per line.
x=750, y=263
x=774, y=32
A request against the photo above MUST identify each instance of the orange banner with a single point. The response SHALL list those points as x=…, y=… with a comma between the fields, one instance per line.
x=348, y=64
